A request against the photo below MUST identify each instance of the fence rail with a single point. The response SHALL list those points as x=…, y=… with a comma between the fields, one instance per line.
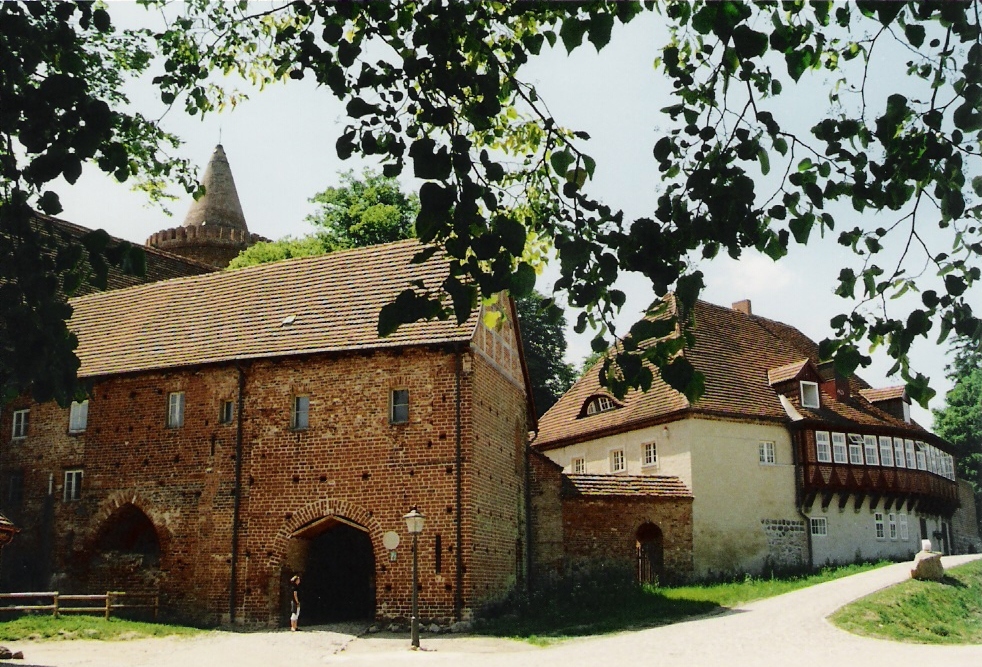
x=103, y=605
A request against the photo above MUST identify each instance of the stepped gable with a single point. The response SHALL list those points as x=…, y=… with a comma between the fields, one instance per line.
x=736, y=352
x=306, y=305
x=214, y=230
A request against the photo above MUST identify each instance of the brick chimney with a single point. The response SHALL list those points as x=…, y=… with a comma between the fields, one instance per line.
x=743, y=307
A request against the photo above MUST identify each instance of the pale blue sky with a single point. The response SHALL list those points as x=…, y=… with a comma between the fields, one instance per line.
x=280, y=145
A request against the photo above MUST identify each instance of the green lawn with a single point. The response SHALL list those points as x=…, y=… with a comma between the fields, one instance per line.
x=592, y=607
x=923, y=612
x=85, y=627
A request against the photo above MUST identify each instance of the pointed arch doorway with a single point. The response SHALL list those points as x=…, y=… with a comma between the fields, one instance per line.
x=337, y=561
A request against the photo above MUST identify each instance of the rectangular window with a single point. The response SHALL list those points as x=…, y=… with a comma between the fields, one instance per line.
x=766, y=453
x=839, y=447
x=78, y=417
x=933, y=460
x=906, y=411
x=650, y=454
x=878, y=525
x=226, y=413
x=904, y=531
x=921, y=462
x=617, y=461
x=579, y=465
x=911, y=455
x=855, y=449
x=300, y=415
x=898, y=452
x=886, y=450
x=175, y=409
x=13, y=490
x=73, y=485
x=872, y=453
x=400, y=406
x=892, y=520
x=819, y=526
x=823, y=450
x=809, y=394
x=20, y=424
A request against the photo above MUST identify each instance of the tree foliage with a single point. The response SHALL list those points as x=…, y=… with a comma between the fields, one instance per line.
x=62, y=66
x=960, y=421
x=362, y=211
x=436, y=88
x=543, y=328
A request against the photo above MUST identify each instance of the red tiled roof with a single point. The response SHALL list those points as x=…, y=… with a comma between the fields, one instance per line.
x=735, y=353
x=786, y=372
x=578, y=484
x=160, y=265
x=328, y=303
x=884, y=394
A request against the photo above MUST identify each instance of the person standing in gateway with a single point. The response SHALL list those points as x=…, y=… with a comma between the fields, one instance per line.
x=294, y=602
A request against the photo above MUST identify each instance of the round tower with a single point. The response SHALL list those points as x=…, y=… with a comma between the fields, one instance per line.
x=214, y=230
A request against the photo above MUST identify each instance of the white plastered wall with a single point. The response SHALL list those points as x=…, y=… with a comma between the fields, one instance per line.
x=740, y=506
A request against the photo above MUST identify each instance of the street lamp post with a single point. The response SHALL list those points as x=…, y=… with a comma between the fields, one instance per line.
x=414, y=524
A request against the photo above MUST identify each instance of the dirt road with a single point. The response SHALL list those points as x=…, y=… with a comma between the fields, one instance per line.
x=787, y=630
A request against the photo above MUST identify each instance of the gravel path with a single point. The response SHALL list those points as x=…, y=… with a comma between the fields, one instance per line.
x=787, y=630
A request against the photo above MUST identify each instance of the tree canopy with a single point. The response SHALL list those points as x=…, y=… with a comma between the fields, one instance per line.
x=960, y=421
x=437, y=90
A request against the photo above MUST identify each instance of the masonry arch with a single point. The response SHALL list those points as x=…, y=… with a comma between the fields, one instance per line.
x=650, y=545
x=334, y=545
x=126, y=552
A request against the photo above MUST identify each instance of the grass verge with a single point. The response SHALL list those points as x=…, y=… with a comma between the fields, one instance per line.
x=922, y=612
x=39, y=628
x=612, y=603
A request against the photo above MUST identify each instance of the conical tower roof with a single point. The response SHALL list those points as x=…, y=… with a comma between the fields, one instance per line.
x=220, y=204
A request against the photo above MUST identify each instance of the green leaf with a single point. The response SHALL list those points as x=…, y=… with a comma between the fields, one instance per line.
x=599, y=30
x=780, y=145
x=765, y=163
x=749, y=43
x=915, y=34
x=522, y=280
x=801, y=227
x=572, y=32
x=561, y=161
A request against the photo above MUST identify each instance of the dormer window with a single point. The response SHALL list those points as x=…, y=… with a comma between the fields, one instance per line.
x=906, y=407
x=599, y=404
x=809, y=394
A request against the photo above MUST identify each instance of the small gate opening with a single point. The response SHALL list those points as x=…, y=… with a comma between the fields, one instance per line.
x=650, y=554
x=338, y=574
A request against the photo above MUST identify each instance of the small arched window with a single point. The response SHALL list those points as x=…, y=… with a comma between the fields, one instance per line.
x=599, y=404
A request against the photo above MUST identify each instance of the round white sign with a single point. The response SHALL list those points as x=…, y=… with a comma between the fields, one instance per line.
x=390, y=540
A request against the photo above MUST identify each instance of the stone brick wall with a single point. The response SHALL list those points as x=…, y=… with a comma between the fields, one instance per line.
x=545, y=488
x=787, y=543
x=351, y=466
x=601, y=530
x=965, y=522
x=215, y=245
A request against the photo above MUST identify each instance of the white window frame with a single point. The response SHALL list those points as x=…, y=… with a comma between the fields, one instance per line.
x=879, y=528
x=78, y=416
x=855, y=449
x=300, y=413
x=649, y=454
x=892, y=524
x=906, y=406
x=175, y=409
x=819, y=526
x=886, y=451
x=872, y=450
x=578, y=465
x=823, y=447
x=810, y=395
x=898, y=453
x=21, y=420
x=765, y=453
x=921, y=459
x=617, y=461
x=911, y=454
x=72, y=489
x=902, y=522
x=399, y=406
x=599, y=404
x=839, y=454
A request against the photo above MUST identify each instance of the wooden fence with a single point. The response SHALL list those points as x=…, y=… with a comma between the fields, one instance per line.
x=104, y=604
